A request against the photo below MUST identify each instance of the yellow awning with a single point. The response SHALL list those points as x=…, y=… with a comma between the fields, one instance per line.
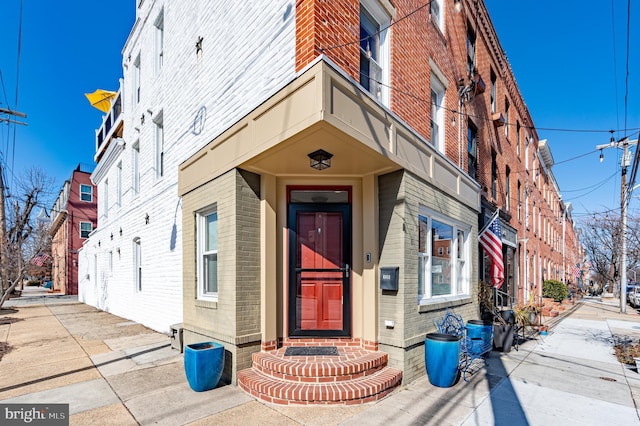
x=101, y=99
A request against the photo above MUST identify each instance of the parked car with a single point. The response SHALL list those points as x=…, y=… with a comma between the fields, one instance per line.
x=633, y=295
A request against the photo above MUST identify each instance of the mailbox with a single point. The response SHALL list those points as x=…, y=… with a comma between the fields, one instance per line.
x=389, y=278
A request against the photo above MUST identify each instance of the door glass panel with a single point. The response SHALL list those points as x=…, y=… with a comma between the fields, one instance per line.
x=319, y=196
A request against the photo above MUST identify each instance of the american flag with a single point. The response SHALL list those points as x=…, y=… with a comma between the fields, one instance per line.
x=491, y=241
x=575, y=270
x=39, y=259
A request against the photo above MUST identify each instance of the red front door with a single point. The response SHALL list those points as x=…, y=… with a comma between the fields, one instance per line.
x=319, y=282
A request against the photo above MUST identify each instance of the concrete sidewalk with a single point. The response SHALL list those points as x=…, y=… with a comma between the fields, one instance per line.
x=113, y=371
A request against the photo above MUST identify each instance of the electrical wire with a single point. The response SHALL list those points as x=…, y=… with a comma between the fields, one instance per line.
x=477, y=117
x=626, y=84
x=397, y=21
x=615, y=60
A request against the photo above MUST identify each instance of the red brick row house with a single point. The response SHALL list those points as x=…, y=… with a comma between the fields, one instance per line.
x=74, y=216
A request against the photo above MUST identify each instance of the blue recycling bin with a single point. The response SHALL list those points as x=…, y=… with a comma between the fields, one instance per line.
x=203, y=365
x=441, y=357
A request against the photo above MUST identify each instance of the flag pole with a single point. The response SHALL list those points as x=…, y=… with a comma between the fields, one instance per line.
x=489, y=221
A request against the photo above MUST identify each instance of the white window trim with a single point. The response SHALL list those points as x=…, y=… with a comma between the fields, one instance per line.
x=424, y=294
x=90, y=193
x=160, y=149
x=105, y=198
x=136, y=80
x=137, y=263
x=119, y=184
x=381, y=15
x=440, y=18
x=201, y=229
x=81, y=223
x=440, y=89
x=159, y=41
x=135, y=169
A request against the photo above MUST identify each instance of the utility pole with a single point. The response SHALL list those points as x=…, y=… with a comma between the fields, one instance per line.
x=3, y=220
x=624, y=142
x=623, y=233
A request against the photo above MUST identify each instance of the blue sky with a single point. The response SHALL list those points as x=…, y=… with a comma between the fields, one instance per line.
x=570, y=62
x=68, y=48
x=562, y=54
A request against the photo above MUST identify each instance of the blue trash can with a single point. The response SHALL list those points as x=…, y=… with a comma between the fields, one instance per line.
x=479, y=329
x=441, y=357
x=203, y=365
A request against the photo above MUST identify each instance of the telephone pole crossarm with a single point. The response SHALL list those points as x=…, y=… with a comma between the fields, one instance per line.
x=11, y=114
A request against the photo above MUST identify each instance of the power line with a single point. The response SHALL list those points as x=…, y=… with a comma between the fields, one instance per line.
x=337, y=46
x=15, y=130
x=615, y=72
x=626, y=84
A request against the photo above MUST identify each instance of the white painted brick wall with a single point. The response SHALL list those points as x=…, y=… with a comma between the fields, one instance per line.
x=248, y=53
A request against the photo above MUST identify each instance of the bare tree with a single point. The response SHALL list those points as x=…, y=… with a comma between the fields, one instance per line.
x=24, y=238
x=601, y=239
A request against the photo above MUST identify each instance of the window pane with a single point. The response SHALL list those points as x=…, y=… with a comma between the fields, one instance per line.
x=211, y=236
x=211, y=273
x=85, y=192
x=461, y=277
x=423, y=256
x=368, y=35
x=318, y=196
x=85, y=229
x=441, y=235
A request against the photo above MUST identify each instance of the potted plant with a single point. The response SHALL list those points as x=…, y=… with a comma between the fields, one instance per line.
x=527, y=313
x=485, y=301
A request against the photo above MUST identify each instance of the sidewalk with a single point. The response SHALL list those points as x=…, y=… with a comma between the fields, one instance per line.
x=113, y=371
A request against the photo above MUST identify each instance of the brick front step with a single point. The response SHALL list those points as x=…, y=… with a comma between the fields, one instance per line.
x=350, y=364
x=356, y=391
x=355, y=376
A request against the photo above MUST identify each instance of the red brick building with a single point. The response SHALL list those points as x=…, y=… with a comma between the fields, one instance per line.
x=448, y=67
x=344, y=210
x=74, y=216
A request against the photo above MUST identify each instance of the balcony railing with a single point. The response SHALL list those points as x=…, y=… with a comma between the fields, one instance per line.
x=110, y=123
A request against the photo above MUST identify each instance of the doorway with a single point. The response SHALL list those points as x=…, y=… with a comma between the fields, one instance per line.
x=319, y=223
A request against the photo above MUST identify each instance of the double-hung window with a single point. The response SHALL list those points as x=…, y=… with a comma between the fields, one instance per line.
x=159, y=145
x=437, y=113
x=136, y=80
x=437, y=13
x=159, y=24
x=374, y=50
x=135, y=168
x=85, y=229
x=207, y=249
x=472, y=150
x=494, y=83
x=119, y=184
x=440, y=274
x=86, y=193
x=494, y=175
x=137, y=263
x=507, y=189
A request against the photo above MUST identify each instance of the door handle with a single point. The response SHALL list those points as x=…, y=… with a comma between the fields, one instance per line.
x=347, y=269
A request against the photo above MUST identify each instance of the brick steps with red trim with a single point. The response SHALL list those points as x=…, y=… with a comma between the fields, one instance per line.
x=355, y=377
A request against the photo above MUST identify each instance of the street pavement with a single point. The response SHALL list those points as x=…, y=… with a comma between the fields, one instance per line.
x=112, y=371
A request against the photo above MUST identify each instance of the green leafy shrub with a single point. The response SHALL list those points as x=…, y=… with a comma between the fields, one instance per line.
x=555, y=289
x=33, y=283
